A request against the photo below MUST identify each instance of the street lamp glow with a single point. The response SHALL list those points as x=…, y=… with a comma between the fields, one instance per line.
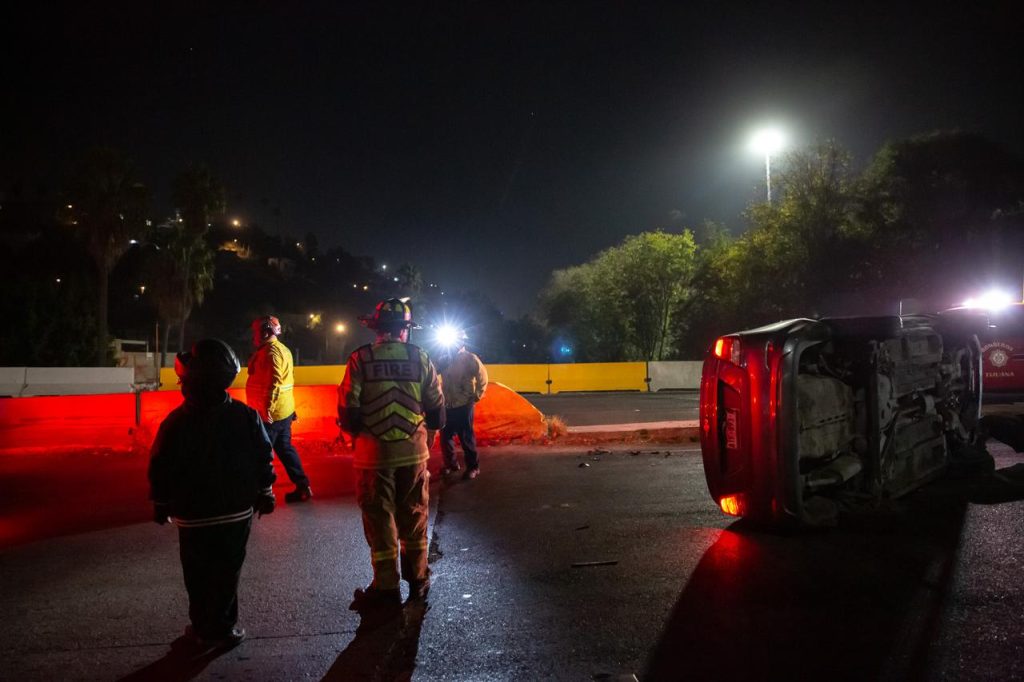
x=236, y=223
x=766, y=142
x=339, y=328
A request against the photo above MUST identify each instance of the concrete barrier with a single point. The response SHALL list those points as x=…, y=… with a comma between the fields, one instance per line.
x=535, y=378
x=316, y=375
x=520, y=378
x=12, y=380
x=75, y=423
x=683, y=374
x=599, y=376
x=78, y=380
x=305, y=375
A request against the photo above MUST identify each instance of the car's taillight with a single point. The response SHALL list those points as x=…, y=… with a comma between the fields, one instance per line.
x=728, y=348
x=733, y=505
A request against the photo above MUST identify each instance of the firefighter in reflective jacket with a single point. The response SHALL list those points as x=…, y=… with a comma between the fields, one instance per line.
x=390, y=399
x=269, y=391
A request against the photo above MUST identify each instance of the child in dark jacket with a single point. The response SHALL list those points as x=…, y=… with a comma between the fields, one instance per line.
x=211, y=468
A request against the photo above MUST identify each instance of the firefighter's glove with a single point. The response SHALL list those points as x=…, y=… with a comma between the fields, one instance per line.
x=265, y=503
x=161, y=513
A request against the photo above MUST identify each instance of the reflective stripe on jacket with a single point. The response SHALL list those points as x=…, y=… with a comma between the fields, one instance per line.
x=392, y=385
x=464, y=381
x=269, y=387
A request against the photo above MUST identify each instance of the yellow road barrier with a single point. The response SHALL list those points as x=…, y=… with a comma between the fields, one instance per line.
x=599, y=376
x=589, y=376
x=520, y=378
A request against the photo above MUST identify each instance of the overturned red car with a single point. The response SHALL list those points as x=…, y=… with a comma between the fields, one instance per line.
x=804, y=418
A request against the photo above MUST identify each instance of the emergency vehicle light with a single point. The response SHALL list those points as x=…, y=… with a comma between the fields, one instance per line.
x=993, y=300
x=448, y=335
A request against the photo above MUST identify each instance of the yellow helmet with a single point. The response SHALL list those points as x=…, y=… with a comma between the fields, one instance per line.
x=391, y=314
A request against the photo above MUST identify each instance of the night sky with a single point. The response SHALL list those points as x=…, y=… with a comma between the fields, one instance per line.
x=491, y=143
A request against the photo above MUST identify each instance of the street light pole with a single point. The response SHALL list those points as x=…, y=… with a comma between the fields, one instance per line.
x=767, y=141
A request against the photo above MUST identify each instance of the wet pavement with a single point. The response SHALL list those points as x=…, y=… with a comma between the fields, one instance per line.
x=562, y=564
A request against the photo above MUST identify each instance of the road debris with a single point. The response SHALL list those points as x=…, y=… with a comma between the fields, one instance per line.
x=584, y=464
x=584, y=527
x=588, y=564
x=599, y=451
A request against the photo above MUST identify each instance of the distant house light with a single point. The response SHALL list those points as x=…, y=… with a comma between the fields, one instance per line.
x=133, y=241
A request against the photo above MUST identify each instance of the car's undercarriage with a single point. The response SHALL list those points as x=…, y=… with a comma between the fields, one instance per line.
x=883, y=409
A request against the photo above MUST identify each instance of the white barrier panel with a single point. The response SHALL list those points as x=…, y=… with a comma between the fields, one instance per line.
x=12, y=381
x=78, y=380
x=682, y=374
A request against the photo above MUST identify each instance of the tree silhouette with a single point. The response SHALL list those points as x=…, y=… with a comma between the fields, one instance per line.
x=198, y=195
x=107, y=205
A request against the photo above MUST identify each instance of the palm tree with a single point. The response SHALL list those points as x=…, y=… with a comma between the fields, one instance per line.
x=410, y=280
x=107, y=206
x=182, y=272
x=198, y=195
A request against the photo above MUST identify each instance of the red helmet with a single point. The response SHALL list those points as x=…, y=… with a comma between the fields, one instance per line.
x=268, y=324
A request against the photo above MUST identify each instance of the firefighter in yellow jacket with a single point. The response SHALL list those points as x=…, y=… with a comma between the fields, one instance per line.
x=391, y=401
x=269, y=391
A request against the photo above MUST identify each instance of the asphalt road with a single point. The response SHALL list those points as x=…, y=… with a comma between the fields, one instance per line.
x=589, y=409
x=549, y=569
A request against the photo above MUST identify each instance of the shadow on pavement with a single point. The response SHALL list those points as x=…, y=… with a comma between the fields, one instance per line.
x=384, y=648
x=180, y=663
x=862, y=601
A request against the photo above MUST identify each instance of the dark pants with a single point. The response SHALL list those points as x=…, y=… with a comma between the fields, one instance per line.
x=459, y=422
x=280, y=434
x=211, y=559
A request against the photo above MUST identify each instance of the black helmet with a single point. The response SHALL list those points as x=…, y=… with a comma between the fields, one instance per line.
x=391, y=315
x=211, y=364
